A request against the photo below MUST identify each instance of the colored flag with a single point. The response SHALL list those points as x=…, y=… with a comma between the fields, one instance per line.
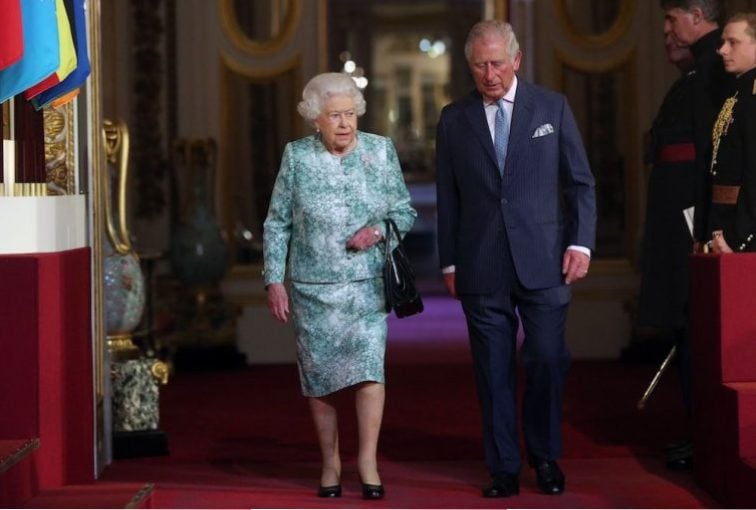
x=62, y=92
x=65, y=98
x=11, y=33
x=67, y=54
x=41, y=53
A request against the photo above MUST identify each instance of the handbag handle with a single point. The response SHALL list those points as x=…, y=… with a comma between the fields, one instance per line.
x=391, y=228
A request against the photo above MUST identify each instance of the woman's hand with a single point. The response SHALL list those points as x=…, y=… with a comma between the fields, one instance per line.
x=365, y=238
x=278, y=301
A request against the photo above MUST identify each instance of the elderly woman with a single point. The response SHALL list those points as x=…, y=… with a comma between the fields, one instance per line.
x=332, y=194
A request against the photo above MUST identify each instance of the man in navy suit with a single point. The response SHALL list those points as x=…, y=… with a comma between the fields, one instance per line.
x=516, y=226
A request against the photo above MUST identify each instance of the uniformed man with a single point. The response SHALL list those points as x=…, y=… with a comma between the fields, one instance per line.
x=667, y=240
x=691, y=23
x=732, y=215
x=695, y=23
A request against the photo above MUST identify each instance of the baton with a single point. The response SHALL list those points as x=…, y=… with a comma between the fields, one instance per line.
x=657, y=376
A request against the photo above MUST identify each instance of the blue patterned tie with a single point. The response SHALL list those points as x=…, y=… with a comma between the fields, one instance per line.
x=501, y=135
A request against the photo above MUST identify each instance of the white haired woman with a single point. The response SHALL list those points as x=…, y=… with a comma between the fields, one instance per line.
x=326, y=218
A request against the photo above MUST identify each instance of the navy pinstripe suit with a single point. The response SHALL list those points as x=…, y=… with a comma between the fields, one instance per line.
x=506, y=236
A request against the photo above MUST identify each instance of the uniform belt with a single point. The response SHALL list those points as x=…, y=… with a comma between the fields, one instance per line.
x=724, y=194
x=676, y=153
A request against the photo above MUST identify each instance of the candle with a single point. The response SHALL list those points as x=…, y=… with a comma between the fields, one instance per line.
x=9, y=166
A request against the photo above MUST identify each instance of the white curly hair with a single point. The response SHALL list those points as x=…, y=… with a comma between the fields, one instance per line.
x=324, y=86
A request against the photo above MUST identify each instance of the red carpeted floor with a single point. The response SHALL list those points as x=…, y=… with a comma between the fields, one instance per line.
x=244, y=438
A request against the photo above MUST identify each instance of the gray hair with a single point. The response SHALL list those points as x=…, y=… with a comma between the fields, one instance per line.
x=711, y=9
x=324, y=86
x=492, y=26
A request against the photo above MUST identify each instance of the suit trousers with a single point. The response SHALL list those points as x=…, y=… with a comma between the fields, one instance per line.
x=492, y=322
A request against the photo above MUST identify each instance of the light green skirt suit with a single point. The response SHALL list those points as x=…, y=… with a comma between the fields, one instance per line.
x=319, y=201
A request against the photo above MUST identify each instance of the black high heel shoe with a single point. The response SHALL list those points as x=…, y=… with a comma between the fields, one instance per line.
x=370, y=491
x=331, y=491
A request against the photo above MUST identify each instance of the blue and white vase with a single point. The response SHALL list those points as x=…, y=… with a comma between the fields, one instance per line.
x=198, y=253
x=124, y=287
x=124, y=292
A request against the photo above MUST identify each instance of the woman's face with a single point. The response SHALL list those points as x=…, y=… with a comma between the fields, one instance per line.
x=338, y=124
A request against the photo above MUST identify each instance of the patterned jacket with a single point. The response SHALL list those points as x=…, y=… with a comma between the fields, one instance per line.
x=320, y=200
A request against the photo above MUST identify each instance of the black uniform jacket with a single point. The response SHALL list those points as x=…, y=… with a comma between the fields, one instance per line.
x=711, y=85
x=733, y=165
x=667, y=240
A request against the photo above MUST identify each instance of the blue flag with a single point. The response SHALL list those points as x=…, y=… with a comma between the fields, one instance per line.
x=77, y=17
x=67, y=53
x=41, y=49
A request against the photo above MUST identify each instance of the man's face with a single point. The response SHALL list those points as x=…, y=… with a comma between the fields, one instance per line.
x=738, y=49
x=492, y=68
x=680, y=56
x=681, y=25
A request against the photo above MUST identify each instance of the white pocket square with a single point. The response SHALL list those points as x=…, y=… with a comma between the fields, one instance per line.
x=543, y=130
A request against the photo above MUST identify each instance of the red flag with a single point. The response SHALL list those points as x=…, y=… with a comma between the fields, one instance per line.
x=41, y=49
x=11, y=33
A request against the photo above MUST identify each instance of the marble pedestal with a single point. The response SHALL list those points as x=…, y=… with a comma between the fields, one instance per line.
x=136, y=410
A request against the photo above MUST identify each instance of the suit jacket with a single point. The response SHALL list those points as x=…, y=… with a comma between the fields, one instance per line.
x=319, y=201
x=544, y=202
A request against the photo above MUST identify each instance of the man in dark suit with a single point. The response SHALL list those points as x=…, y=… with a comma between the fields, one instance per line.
x=516, y=226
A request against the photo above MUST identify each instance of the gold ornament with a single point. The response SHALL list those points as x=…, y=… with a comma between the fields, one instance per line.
x=720, y=128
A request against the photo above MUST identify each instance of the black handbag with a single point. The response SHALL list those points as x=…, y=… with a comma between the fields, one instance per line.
x=399, y=277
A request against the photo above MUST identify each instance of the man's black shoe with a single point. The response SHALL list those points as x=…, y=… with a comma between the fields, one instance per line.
x=502, y=486
x=549, y=477
x=680, y=464
x=680, y=457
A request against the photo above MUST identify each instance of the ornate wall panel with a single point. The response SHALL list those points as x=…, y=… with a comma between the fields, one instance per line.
x=595, y=23
x=60, y=150
x=598, y=93
x=260, y=28
x=258, y=117
x=593, y=51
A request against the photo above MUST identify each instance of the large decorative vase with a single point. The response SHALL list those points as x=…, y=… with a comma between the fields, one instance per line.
x=206, y=323
x=124, y=293
x=124, y=289
x=134, y=378
x=198, y=253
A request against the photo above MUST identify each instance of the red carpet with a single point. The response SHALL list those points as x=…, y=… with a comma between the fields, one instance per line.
x=245, y=439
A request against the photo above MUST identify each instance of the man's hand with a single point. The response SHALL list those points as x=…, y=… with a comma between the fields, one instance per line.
x=718, y=243
x=450, y=283
x=575, y=265
x=278, y=301
x=364, y=238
